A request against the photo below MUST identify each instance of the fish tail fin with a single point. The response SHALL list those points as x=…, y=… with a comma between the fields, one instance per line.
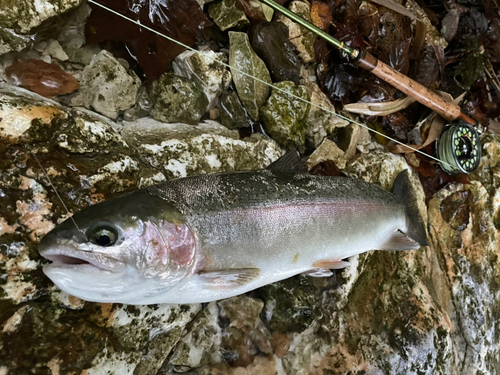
x=404, y=191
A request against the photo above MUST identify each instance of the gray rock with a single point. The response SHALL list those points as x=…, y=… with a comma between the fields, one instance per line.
x=321, y=120
x=201, y=66
x=232, y=113
x=19, y=22
x=201, y=344
x=54, y=50
x=177, y=99
x=284, y=116
x=107, y=86
x=226, y=15
x=179, y=150
x=253, y=94
x=299, y=35
x=143, y=105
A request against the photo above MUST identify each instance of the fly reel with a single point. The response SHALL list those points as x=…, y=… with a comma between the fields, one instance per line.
x=459, y=147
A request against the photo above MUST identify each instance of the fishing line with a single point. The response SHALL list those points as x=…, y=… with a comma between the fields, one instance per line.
x=55, y=190
x=264, y=82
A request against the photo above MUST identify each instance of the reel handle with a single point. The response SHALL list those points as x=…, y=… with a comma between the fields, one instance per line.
x=421, y=94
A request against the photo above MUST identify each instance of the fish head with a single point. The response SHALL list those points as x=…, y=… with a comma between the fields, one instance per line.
x=130, y=246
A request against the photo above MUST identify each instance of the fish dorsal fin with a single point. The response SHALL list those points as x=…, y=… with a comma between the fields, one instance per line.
x=318, y=272
x=404, y=190
x=331, y=264
x=399, y=241
x=290, y=162
x=227, y=279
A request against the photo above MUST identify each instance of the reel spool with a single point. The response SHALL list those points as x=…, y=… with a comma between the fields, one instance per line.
x=459, y=146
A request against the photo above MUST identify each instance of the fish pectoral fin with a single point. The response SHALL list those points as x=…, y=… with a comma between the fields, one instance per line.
x=399, y=241
x=331, y=264
x=318, y=272
x=232, y=278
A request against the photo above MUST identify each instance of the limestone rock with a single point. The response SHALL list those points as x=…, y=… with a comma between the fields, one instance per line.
x=87, y=160
x=213, y=76
x=270, y=41
x=232, y=113
x=107, y=87
x=252, y=93
x=177, y=98
x=179, y=150
x=201, y=345
x=327, y=150
x=226, y=15
x=299, y=35
x=285, y=116
x=320, y=123
x=19, y=20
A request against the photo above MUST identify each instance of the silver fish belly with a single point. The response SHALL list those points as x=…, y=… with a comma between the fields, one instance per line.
x=209, y=237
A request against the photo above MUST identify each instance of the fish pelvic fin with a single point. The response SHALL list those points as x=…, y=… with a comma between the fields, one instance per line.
x=227, y=279
x=399, y=241
x=416, y=227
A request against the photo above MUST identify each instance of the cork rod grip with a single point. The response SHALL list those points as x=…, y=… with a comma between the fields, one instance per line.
x=411, y=88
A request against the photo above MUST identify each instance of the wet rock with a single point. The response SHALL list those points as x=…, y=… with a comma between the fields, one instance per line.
x=42, y=78
x=107, y=86
x=284, y=117
x=256, y=10
x=232, y=113
x=179, y=150
x=226, y=15
x=321, y=120
x=271, y=42
x=289, y=304
x=212, y=76
x=54, y=50
x=302, y=38
x=72, y=36
x=348, y=140
x=244, y=332
x=327, y=151
x=19, y=23
x=142, y=107
x=177, y=98
x=201, y=345
x=87, y=160
x=253, y=94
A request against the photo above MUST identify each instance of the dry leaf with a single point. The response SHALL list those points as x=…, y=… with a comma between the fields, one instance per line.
x=379, y=109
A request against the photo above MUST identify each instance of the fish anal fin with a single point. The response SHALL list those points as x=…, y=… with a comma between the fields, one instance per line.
x=331, y=264
x=226, y=279
x=318, y=272
x=399, y=241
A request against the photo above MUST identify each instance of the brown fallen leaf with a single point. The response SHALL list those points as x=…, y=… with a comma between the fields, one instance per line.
x=321, y=15
x=41, y=77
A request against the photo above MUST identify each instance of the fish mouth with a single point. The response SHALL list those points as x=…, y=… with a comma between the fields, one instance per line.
x=67, y=259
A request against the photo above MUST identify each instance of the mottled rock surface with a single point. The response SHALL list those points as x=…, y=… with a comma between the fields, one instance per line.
x=88, y=160
x=177, y=98
x=107, y=86
x=284, y=116
x=213, y=77
x=18, y=23
x=226, y=15
x=252, y=93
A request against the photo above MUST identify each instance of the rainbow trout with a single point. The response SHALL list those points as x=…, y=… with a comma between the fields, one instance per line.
x=209, y=237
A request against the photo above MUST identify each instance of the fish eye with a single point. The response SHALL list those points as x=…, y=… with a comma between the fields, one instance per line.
x=103, y=235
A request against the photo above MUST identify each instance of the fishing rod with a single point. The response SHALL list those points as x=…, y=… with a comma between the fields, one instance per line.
x=458, y=145
x=459, y=152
